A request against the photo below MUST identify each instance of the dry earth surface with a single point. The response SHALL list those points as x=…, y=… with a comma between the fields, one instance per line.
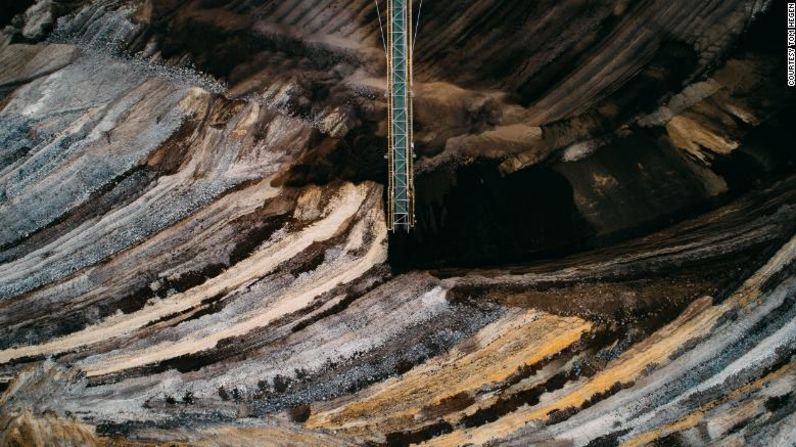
x=193, y=247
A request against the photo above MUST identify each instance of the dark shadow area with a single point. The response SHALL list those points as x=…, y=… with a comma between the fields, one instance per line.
x=10, y=8
x=475, y=216
x=632, y=187
x=357, y=157
x=635, y=185
x=766, y=153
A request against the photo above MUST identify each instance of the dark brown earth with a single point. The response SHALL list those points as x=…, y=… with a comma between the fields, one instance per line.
x=193, y=247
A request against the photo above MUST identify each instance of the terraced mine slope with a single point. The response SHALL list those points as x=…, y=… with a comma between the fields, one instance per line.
x=194, y=250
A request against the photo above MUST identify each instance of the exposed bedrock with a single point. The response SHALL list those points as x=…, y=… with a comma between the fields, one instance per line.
x=193, y=246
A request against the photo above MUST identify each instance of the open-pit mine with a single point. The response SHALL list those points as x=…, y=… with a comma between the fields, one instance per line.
x=388, y=223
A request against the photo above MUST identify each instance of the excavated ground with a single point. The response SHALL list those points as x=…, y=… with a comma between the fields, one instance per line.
x=193, y=247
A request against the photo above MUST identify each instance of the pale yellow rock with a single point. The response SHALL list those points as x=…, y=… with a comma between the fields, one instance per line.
x=694, y=138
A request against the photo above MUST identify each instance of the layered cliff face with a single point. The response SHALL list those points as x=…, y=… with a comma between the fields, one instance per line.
x=193, y=246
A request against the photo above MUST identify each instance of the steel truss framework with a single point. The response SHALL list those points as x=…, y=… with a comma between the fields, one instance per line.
x=400, y=153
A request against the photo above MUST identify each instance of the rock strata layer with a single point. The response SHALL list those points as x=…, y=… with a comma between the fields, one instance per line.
x=193, y=247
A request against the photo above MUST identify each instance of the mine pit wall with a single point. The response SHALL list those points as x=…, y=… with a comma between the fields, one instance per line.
x=299, y=72
x=628, y=182
x=263, y=292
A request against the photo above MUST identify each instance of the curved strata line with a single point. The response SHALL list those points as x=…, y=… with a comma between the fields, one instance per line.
x=492, y=356
x=65, y=175
x=693, y=323
x=698, y=415
x=93, y=240
x=150, y=256
x=347, y=202
x=291, y=301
